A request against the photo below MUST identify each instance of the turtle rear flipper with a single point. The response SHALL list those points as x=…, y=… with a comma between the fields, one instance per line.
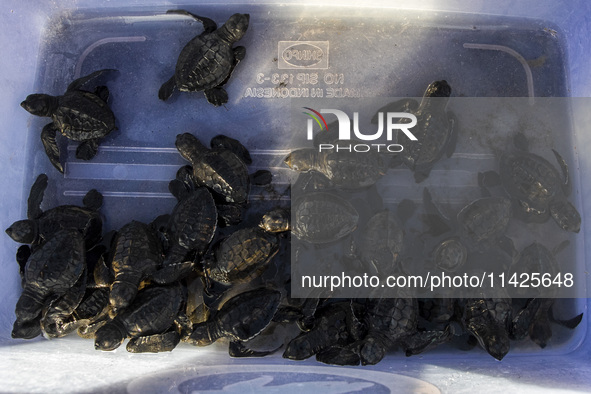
x=167, y=89
x=50, y=145
x=78, y=83
x=261, y=178
x=36, y=196
x=22, y=256
x=520, y=141
x=156, y=343
x=216, y=96
x=341, y=355
x=93, y=200
x=102, y=92
x=208, y=24
x=87, y=149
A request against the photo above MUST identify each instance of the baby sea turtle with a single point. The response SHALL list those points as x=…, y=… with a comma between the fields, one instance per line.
x=192, y=226
x=244, y=254
x=436, y=129
x=240, y=319
x=136, y=253
x=389, y=322
x=333, y=325
x=51, y=271
x=535, y=318
x=207, y=61
x=322, y=217
x=149, y=321
x=538, y=188
x=481, y=223
x=346, y=170
x=488, y=320
x=39, y=226
x=78, y=115
x=220, y=170
x=57, y=314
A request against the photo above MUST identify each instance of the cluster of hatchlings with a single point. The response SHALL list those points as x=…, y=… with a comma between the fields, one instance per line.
x=134, y=283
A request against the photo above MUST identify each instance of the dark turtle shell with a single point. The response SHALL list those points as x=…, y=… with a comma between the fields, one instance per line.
x=383, y=239
x=346, y=170
x=192, y=226
x=207, y=60
x=219, y=170
x=82, y=116
x=530, y=178
x=322, y=217
x=137, y=252
x=485, y=219
x=242, y=256
x=51, y=271
x=241, y=318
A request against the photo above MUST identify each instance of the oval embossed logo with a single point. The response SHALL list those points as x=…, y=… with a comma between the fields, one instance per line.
x=303, y=54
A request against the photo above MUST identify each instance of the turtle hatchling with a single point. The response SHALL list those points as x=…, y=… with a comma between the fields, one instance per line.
x=435, y=131
x=137, y=252
x=149, y=321
x=244, y=254
x=540, y=190
x=39, y=226
x=192, y=226
x=51, y=271
x=78, y=115
x=221, y=170
x=322, y=217
x=241, y=318
x=208, y=60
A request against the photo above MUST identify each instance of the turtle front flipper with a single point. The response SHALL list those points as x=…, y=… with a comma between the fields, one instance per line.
x=50, y=145
x=154, y=343
x=36, y=197
x=87, y=149
x=239, y=349
x=566, y=186
x=172, y=273
x=167, y=89
x=216, y=96
x=208, y=24
x=452, y=141
x=78, y=83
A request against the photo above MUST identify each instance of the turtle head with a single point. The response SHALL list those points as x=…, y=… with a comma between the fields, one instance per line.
x=40, y=104
x=566, y=215
x=235, y=28
x=438, y=89
x=201, y=335
x=23, y=231
x=491, y=337
x=301, y=159
x=108, y=337
x=275, y=221
x=26, y=329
